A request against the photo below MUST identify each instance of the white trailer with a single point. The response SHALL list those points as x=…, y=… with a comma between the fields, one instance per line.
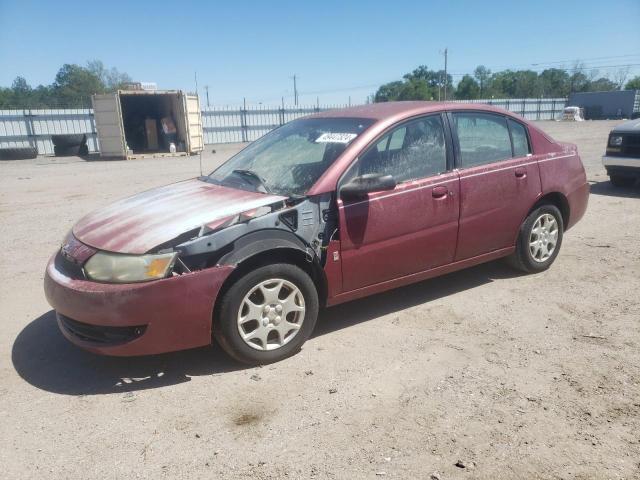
x=130, y=123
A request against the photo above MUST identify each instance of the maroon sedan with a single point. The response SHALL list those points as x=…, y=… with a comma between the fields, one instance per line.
x=323, y=210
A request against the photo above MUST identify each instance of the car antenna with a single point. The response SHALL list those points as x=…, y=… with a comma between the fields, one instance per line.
x=195, y=79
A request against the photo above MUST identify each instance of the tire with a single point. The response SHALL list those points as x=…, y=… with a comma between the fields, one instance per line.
x=280, y=279
x=22, y=153
x=622, y=181
x=524, y=258
x=69, y=140
x=77, y=150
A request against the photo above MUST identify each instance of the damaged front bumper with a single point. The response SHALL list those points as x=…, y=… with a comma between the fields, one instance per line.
x=160, y=316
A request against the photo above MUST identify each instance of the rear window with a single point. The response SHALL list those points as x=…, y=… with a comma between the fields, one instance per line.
x=483, y=137
x=521, y=146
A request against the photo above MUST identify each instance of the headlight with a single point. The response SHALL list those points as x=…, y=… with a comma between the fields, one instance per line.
x=615, y=141
x=118, y=268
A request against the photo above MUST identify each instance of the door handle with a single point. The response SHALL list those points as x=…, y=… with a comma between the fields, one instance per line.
x=439, y=192
x=520, y=172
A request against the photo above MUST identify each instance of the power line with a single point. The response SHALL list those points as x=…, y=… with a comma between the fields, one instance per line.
x=555, y=62
x=539, y=65
x=582, y=67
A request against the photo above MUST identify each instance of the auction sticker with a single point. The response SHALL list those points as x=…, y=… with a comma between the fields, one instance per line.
x=336, y=137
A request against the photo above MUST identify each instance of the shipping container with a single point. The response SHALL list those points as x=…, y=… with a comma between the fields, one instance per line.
x=140, y=123
x=607, y=105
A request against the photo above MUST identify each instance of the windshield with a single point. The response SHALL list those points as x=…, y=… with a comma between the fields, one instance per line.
x=290, y=159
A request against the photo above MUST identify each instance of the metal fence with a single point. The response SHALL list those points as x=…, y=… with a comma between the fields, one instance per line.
x=226, y=125
x=34, y=127
x=529, y=108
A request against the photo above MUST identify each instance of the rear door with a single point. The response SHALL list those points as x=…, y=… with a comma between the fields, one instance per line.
x=108, y=118
x=194, y=123
x=412, y=228
x=499, y=180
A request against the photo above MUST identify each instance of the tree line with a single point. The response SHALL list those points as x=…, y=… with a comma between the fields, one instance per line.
x=425, y=84
x=72, y=87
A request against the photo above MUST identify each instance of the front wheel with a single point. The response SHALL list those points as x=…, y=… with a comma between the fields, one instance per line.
x=539, y=240
x=267, y=314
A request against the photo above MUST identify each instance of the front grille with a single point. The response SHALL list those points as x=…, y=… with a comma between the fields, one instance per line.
x=630, y=145
x=68, y=268
x=100, y=334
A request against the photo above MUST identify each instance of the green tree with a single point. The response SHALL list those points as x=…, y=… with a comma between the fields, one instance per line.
x=389, y=92
x=482, y=74
x=633, y=84
x=602, y=84
x=5, y=97
x=415, y=89
x=420, y=84
x=526, y=84
x=111, y=78
x=554, y=82
x=435, y=79
x=503, y=84
x=74, y=85
x=467, y=88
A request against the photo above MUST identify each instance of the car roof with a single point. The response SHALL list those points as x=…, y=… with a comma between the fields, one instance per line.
x=399, y=110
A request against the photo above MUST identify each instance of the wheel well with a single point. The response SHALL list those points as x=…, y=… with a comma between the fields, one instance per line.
x=280, y=255
x=558, y=200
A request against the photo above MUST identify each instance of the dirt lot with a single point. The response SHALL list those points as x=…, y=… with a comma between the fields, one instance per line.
x=514, y=376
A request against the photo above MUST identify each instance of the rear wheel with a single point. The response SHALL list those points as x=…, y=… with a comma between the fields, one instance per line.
x=621, y=181
x=539, y=240
x=267, y=314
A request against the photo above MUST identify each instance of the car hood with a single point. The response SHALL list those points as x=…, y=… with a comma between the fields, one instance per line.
x=140, y=223
x=630, y=126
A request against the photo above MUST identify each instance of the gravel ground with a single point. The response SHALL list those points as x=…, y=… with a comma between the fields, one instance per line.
x=507, y=376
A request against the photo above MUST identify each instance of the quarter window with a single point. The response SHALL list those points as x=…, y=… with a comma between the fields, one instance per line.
x=483, y=138
x=412, y=151
x=520, y=140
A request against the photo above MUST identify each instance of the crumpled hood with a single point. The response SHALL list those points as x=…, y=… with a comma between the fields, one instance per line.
x=138, y=224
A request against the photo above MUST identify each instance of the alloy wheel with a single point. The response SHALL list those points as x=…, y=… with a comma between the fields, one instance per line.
x=543, y=238
x=271, y=314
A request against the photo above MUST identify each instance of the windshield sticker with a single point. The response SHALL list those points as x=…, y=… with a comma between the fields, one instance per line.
x=336, y=137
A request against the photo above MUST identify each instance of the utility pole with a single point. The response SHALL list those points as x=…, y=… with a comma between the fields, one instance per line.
x=206, y=89
x=295, y=91
x=445, y=74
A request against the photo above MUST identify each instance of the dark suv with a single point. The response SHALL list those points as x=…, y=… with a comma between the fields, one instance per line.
x=622, y=159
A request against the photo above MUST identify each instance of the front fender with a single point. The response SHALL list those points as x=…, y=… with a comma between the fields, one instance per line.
x=261, y=241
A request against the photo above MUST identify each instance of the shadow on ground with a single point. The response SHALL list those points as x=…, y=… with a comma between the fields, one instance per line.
x=45, y=359
x=606, y=188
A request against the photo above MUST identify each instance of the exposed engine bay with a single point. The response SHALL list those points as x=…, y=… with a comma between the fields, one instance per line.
x=306, y=224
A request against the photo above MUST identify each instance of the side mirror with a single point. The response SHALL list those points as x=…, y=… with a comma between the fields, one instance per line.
x=360, y=186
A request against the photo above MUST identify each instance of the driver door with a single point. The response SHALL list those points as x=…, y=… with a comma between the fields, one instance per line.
x=413, y=227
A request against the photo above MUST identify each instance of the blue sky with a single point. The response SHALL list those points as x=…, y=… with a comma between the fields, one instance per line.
x=251, y=49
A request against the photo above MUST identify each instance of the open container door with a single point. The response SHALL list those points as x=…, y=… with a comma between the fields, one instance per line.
x=108, y=118
x=194, y=123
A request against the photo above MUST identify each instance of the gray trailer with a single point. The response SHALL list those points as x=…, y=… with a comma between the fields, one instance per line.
x=603, y=105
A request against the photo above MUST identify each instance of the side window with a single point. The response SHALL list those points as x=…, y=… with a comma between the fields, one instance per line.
x=483, y=137
x=414, y=150
x=520, y=140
